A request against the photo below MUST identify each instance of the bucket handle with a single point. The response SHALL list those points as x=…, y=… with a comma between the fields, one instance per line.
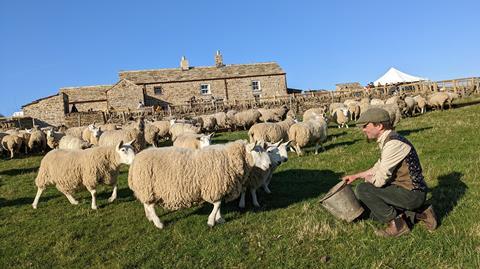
x=328, y=195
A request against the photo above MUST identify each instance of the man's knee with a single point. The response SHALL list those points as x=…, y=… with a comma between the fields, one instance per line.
x=364, y=190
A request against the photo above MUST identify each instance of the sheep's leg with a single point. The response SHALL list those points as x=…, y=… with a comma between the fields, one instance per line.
x=241, y=203
x=346, y=124
x=316, y=148
x=150, y=210
x=114, y=194
x=146, y=212
x=37, y=197
x=254, y=197
x=218, y=217
x=213, y=214
x=71, y=199
x=298, y=150
x=94, y=199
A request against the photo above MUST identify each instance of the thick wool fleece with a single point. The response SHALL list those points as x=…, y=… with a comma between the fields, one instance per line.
x=313, y=113
x=180, y=128
x=270, y=132
x=304, y=133
x=188, y=141
x=112, y=138
x=247, y=118
x=71, y=169
x=179, y=178
x=221, y=118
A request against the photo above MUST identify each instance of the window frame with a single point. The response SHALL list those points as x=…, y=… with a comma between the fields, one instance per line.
x=155, y=88
x=259, y=86
x=208, y=89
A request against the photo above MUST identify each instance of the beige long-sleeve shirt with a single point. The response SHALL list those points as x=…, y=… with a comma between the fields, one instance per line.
x=392, y=153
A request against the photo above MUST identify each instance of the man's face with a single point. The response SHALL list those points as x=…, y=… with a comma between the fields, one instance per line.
x=371, y=131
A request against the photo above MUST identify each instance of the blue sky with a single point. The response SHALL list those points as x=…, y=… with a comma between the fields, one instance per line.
x=45, y=45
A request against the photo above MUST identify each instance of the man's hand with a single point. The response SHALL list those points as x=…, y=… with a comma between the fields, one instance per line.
x=349, y=179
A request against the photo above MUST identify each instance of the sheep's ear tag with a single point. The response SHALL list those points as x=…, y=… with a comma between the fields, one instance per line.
x=120, y=145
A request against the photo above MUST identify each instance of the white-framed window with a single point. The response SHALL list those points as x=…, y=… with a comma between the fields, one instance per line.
x=256, y=87
x=205, y=89
x=157, y=90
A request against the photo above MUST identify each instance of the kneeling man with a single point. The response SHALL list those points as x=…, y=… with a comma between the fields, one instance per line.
x=394, y=187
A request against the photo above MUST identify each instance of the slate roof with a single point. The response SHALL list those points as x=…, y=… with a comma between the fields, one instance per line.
x=201, y=73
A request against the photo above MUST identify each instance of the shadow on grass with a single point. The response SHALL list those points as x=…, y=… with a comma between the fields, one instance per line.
x=24, y=201
x=408, y=132
x=288, y=188
x=19, y=171
x=346, y=143
x=447, y=193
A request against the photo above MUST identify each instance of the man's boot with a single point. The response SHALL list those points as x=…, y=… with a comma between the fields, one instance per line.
x=396, y=227
x=428, y=217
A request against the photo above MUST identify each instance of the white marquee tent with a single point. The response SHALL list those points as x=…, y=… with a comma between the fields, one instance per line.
x=393, y=76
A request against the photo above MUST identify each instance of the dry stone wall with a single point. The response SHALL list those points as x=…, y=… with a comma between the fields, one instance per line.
x=48, y=111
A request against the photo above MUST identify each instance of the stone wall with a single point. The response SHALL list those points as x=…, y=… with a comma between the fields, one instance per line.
x=90, y=98
x=124, y=95
x=237, y=88
x=47, y=111
x=83, y=118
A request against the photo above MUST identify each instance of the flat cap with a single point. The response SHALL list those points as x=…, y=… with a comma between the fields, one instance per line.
x=374, y=115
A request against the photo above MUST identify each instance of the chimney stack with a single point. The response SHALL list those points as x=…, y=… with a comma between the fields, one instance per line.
x=184, y=64
x=218, y=59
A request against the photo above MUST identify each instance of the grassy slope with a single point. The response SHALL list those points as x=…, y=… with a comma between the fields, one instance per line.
x=290, y=230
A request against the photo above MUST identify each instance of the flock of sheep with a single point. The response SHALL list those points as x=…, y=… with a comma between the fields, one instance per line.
x=191, y=171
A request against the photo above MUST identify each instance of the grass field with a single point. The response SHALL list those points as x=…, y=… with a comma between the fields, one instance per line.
x=290, y=230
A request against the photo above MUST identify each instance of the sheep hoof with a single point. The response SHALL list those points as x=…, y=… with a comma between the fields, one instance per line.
x=159, y=225
x=211, y=224
x=110, y=200
x=94, y=207
x=220, y=220
x=34, y=206
x=256, y=204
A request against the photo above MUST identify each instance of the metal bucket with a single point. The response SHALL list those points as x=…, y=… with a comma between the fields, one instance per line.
x=342, y=203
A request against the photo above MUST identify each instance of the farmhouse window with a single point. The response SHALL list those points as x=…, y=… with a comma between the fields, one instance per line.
x=256, y=86
x=158, y=90
x=204, y=88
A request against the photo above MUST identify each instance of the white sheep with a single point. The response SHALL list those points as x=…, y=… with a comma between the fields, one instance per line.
x=270, y=131
x=92, y=134
x=180, y=178
x=313, y=113
x=258, y=177
x=273, y=114
x=12, y=143
x=354, y=110
x=222, y=121
x=333, y=106
x=53, y=138
x=192, y=141
x=410, y=107
x=38, y=140
x=246, y=118
x=341, y=116
x=135, y=133
x=421, y=103
x=178, y=128
x=69, y=170
x=437, y=100
x=312, y=131
x=72, y=142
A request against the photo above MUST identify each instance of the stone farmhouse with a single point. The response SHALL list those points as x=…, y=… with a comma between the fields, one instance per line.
x=163, y=87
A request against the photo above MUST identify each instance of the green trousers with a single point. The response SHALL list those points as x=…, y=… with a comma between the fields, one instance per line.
x=384, y=202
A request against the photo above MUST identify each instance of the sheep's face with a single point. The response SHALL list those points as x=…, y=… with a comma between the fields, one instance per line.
x=278, y=152
x=125, y=153
x=96, y=132
x=260, y=156
x=204, y=141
